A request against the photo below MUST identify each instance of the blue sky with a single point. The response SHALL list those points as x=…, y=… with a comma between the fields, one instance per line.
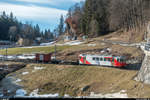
x=46, y=13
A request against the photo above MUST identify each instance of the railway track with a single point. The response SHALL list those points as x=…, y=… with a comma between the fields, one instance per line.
x=29, y=61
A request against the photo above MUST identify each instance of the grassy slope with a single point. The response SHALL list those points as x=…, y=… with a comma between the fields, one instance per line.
x=69, y=79
x=14, y=51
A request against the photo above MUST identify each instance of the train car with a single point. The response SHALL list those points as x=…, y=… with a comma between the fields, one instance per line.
x=43, y=57
x=116, y=61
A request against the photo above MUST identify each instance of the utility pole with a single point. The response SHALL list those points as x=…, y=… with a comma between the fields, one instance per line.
x=55, y=46
x=6, y=53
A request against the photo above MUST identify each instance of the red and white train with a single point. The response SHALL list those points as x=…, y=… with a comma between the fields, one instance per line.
x=116, y=61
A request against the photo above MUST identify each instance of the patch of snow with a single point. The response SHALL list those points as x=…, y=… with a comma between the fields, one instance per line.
x=8, y=57
x=18, y=80
x=91, y=45
x=8, y=91
x=66, y=96
x=109, y=49
x=123, y=91
x=26, y=57
x=102, y=51
x=32, y=47
x=19, y=57
x=47, y=44
x=24, y=73
x=38, y=68
x=21, y=92
x=1, y=95
x=35, y=94
x=120, y=94
x=74, y=43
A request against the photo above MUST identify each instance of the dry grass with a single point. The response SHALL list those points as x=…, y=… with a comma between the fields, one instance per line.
x=72, y=53
x=69, y=79
x=46, y=49
x=131, y=36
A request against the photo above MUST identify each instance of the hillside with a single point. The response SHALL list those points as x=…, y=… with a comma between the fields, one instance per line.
x=63, y=80
x=78, y=80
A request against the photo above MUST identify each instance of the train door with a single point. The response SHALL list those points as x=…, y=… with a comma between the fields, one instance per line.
x=41, y=58
x=107, y=61
x=112, y=61
x=84, y=60
x=97, y=61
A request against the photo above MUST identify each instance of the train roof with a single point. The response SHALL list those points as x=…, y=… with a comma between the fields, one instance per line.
x=104, y=55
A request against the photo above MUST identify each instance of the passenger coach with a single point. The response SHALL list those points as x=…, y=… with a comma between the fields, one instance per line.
x=116, y=61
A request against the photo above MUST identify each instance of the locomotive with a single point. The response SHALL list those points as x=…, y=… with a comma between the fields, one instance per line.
x=115, y=61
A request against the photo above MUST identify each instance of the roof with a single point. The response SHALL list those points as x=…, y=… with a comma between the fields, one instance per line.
x=104, y=55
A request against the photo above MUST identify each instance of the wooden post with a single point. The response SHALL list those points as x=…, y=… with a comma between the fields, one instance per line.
x=6, y=53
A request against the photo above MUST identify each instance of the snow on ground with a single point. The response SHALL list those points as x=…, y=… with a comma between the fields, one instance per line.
x=108, y=49
x=21, y=92
x=91, y=45
x=26, y=57
x=77, y=42
x=32, y=47
x=66, y=96
x=47, y=44
x=24, y=73
x=1, y=95
x=35, y=94
x=18, y=57
x=18, y=80
x=38, y=68
x=120, y=94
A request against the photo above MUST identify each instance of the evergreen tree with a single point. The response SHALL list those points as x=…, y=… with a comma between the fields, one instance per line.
x=61, y=26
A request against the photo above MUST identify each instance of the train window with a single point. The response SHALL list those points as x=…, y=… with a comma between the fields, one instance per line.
x=101, y=59
x=122, y=60
x=118, y=60
x=97, y=59
x=108, y=59
x=93, y=58
x=112, y=59
x=80, y=57
x=104, y=59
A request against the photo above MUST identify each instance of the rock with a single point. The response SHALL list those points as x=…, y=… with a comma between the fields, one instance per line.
x=144, y=73
x=85, y=88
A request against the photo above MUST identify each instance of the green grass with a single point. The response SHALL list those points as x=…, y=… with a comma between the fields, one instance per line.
x=15, y=51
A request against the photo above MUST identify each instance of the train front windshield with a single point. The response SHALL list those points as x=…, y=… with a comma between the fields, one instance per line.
x=122, y=60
